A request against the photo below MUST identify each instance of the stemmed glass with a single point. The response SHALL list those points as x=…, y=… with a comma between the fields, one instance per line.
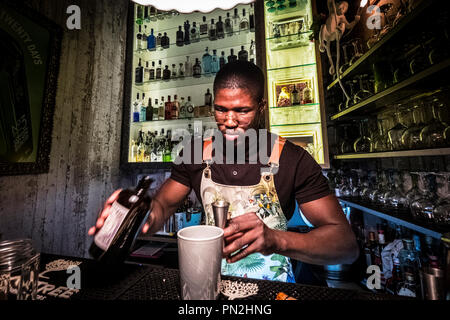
x=346, y=146
x=397, y=200
x=396, y=132
x=379, y=188
x=363, y=92
x=432, y=135
x=349, y=102
x=411, y=137
x=363, y=143
x=379, y=139
x=357, y=50
x=422, y=208
x=346, y=64
x=441, y=213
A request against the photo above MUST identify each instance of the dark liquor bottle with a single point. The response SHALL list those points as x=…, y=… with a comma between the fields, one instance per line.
x=146, y=72
x=243, y=25
x=228, y=25
x=243, y=54
x=295, y=96
x=166, y=73
x=175, y=108
x=251, y=18
x=187, y=27
x=151, y=41
x=220, y=30
x=113, y=242
x=232, y=57
x=159, y=70
x=204, y=28
x=139, y=73
x=208, y=100
x=168, y=109
x=152, y=71
x=139, y=15
x=149, y=111
x=165, y=41
x=15, y=116
x=180, y=37
x=195, y=36
x=158, y=40
x=197, y=69
x=139, y=39
x=212, y=34
x=222, y=60
x=252, y=52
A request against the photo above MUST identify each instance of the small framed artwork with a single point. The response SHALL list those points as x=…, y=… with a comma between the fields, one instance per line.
x=292, y=92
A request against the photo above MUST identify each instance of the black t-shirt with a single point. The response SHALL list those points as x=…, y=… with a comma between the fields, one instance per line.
x=299, y=176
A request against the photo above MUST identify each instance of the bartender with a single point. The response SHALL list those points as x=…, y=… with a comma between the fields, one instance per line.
x=261, y=193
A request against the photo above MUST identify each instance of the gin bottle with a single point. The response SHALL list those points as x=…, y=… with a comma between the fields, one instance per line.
x=194, y=32
x=139, y=73
x=204, y=28
x=243, y=25
x=220, y=30
x=188, y=67
x=212, y=32
x=206, y=62
x=180, y=37
x=197, y=69
x=187, y=27
x=215, y=62
x=243, y=54
x=228, y=25
x=151, y=41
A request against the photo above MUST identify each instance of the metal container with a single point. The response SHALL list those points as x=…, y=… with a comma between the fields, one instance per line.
x=220, y=211
x=433, y=287
x=19, y=270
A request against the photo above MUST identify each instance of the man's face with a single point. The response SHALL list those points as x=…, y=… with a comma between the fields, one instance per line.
x=235, y=111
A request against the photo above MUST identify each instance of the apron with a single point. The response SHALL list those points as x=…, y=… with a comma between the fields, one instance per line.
x=261, y=198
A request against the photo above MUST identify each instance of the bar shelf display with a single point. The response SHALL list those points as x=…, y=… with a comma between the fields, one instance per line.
x=174, y=82
x=395, y=154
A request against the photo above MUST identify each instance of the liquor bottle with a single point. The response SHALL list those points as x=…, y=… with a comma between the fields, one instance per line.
x=139, y=73
x=161, y=109
x=252, y=52
x=168, y=109
x=194, y=33
x=146, y=72
x=158, y=40
x=167, y=153
x=136, y=108
x=307, y=94
x=113, y=242
x=251, y=18
x=140, y=150
x=160, y=151
x=165, y=41
x=173, y=73
x=139, y=39
x=197, y=69
x=409, y=287
x=146, y=14
x=153, y=14
x=222, y=60
x=155, y=110
x=220, y=31
x=232, y=57
x=409, y=258
x=139, y=15
x=175, y=108
x=243, y=24
x=189, y=108
x=236, y=21
x=208, y=103
x=212, y=32
x=144, y=38
x=182, y=114
x=143, y=110
x=166, y=73
x=206, y=62
x=133, y=151
x=295, y=96
x=215, y=66
x=159, y=71
x=188, y=67
x=243, y=54
x=228, y=25
x=180, y=37
x=149, y=110
x=393, y=283
x=151, y=41
x=187, y=27
x=152, y=72
x=181, y=71
x=203, y=29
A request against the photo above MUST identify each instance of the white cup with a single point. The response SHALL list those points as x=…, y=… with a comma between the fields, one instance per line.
x=199, y=260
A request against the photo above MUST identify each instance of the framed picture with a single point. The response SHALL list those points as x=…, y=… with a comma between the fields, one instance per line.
x=290, y=92
x=29, y=62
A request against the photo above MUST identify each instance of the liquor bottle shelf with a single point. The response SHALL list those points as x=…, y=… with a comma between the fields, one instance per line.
x=394, y=154
x=401, y=90
x=294, y=66
x=403, y=219
x=174, y=122
x=175, y=82
x=290, y=35
x=373, y=51
x=293, y=124
x=297, y=106
x=288, y=43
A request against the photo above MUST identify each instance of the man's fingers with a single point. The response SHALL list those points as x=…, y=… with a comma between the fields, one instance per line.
x=242, y=223
x=91, y=231
x=242, y=253
x=99, y=223
x=105, y=213
x=113, y=197
x=145, y=227
x=247, y=238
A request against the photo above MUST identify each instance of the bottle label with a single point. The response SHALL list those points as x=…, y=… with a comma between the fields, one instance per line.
x=106, y=234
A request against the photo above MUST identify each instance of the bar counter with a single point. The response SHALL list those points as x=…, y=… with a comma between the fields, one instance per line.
x=130, y=281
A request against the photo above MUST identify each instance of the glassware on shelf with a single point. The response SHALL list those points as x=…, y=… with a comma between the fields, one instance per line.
x=346, y=64
x=364, y=91
x=396, y=132
x=378, y=189
x=422, y=208
x=380, y=138
x=397, y=199
x=432, y=135
x=345, y=146
x=441, y=213
x=411, y=137
x=357, y=50
x=351, y=85
x=363, y=143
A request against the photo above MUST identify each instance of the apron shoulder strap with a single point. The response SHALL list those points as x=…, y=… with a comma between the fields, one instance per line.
x=276, y=151
x=207, y=150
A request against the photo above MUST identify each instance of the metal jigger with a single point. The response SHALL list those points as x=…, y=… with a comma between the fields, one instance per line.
x=220, y=211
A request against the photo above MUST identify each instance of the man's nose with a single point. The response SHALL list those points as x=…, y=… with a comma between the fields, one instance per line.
x=230, y=120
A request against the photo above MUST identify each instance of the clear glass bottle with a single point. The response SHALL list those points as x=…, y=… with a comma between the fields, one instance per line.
x=251, y=17
x=189, y=108
x=156, y=110
x=152, y=72
x=182, y=114
x=206, y=63
x=146, y=72
x=144, y=43
x=215, y=66
x=204, y=29
x=232, y=57
x=187, y=32
x=181, y=70
x=212, y=32
x=243, y=24
x=220, y=29
x=136, y=108
x=133, y=152
x=143, y=109
x=243, y=54
x=161, y=109
x=197, y=69
x=151, y=41
x=194, y=32
x=228, y=25
x=175, y=108
x=307, y=95
x=173, y=73
x=236, y=21
x=159, y=71
x=222, y=60
x=139, y=39
x=180, y=37
x=188, y=67
x=168, y=109
x=252, y=52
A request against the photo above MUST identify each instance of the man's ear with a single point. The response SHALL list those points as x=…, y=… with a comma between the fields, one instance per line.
x=262, y=105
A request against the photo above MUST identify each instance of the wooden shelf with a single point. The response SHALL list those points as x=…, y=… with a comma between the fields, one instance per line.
x=403, y=219
x=401, y=90
x=394, y=154
x=353, y=69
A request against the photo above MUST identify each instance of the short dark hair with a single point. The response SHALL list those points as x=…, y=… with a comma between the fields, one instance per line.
x=241, y=75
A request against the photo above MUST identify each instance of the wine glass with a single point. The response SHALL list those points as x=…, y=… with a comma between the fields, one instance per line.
x=422, y=208
x=397, y=200
x=432, y=135
x=350, y=102
x=363, y=143
x=357, y=50
x=346, y=64
x=345, y=145
x=396, y=132
x=379, y=139
x=411, y=137
x=363, y=92
x=441, y=213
